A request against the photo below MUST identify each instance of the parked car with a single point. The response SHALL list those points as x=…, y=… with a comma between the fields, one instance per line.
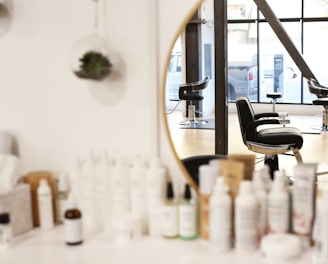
x=242, y=78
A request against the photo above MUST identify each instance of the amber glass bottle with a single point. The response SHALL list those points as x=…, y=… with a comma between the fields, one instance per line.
x=73, y=223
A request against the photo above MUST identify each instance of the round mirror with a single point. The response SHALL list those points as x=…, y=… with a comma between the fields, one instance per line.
x=188, y=140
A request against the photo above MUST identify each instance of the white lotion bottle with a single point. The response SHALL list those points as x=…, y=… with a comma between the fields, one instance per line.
x=138, y=192
x=45, y=205
x=156, y=180
x=120, y=187
x=246, y=217
x=187, y=215
x=278, y=206
x=262, y=198
x=220, y=217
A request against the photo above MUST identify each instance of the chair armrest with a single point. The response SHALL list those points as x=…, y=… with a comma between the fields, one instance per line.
x=268, y=114
x=253, y=125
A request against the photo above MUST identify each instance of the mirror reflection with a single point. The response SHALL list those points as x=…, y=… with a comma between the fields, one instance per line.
x=258, y=64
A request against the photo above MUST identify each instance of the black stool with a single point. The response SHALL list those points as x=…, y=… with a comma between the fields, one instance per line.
x=274, y=97
x=324, y=102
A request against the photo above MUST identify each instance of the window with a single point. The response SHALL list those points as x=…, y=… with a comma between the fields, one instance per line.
x=251, y=40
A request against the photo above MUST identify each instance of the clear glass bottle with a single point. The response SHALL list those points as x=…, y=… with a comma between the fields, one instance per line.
x=5, y=230
x=169, y=216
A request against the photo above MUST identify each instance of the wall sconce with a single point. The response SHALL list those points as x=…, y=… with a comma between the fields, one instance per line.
x=6, y=8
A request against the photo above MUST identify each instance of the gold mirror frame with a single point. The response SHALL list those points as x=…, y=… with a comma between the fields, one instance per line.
x=163, y=93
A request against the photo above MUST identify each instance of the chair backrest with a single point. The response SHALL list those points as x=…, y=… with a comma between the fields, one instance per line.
x=192, y=164
x=316, y=88
x=190, y=91
x=245, y=114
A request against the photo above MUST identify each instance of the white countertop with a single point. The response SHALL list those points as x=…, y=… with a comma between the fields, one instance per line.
x=48, y=247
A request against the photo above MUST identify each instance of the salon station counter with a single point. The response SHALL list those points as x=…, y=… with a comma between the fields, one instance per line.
x=48, y=247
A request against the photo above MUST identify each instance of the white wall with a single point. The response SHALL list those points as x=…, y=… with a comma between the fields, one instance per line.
x=55, y=115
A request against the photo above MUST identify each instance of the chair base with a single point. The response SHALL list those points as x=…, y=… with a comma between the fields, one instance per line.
x=193, y=123
x=273, y=163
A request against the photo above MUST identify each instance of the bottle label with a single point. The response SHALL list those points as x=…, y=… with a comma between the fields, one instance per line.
x=169, y=220
x=73, y=230
x=187, y=220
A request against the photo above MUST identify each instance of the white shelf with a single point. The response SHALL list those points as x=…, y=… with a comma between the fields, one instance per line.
x=48, y=247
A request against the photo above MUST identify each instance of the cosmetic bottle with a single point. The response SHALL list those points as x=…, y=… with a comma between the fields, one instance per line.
x=120, y=187
x=5, y=230
x=205, y=188
x=220, y=217
x=278, y=205
x=138, y=189
x=320, y=232
x=76, y=180
x=169, y=214
x=61, y=197
x=90, y=206
x=156, y=180
x=262, y=199
x=45, y=205
x=73, y=223
x=246, y=217
x=264, y=171
x=103, y=191
x=187, y=215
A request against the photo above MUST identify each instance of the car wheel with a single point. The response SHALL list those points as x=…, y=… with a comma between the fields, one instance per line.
x=231, y=93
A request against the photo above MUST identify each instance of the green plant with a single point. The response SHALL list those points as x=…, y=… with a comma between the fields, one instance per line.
x=94, y=65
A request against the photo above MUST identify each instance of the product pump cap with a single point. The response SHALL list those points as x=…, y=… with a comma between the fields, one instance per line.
x=4, y=218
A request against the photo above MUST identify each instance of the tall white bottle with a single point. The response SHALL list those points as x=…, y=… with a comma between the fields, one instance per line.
x=76, y=181
x=103, y=188
x=156, y=180
x=90, y=207
x=246, y=217
x=45, y=205
x=220, y=218
x=138, y=192
x=120, y=187
x=278, y=206
x=262, y=198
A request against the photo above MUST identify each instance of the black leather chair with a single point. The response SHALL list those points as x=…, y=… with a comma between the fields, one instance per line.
x=322, y=99
x=192, y=164
x=270, y=140
x=191, y=92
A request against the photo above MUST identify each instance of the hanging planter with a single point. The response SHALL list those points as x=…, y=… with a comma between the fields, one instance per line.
x=89, y=56
x=90, y=59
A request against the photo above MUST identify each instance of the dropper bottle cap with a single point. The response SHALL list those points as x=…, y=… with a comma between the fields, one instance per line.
x=187, y=192
x=169, y=191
